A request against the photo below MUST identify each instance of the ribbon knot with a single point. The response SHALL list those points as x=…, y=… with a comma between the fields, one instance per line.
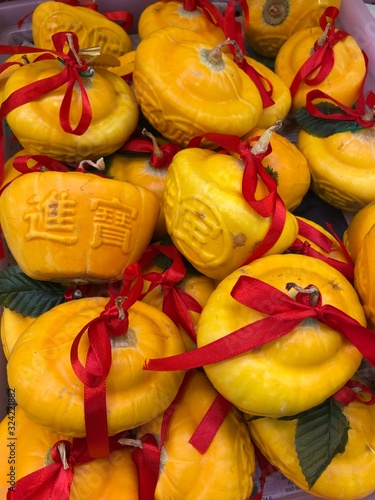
x=61, y=453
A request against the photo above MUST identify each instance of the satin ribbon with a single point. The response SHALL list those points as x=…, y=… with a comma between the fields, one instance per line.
x=139, y=145
x=271, y=205
x=313, y=234
x=355, y=114
x=351, y=391
x=322, y=59
x=210, y=10
x=176, y=302
x=113, y=321
x=233, y=31
x=284, y=314
x=53, y=482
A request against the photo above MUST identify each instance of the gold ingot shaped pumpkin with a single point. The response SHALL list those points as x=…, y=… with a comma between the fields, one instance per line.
x=342, y=167
x=348, y=60
x=224, y=472
x=75, y=226
x=37, y=126
x=298, y=370
x=349, y=476
x=272, y=22
x=48, y=390
x=186, y=87
x=162, y=14
x=91, y=27
x=207, y=216
x=100, y=478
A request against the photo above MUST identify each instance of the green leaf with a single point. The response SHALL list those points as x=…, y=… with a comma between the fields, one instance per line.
x=321, y=434
x=321, y=127
x=29, y=297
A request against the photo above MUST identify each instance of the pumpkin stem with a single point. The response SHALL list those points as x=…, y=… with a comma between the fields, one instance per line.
x=215, y=55
x=323, y=37
x=313, y=291
x=62, y=451
x=99, y=164
x=157, y=151
x=71, y=46
x=369, y=115
x=262, y=143
x=131, y=442
x=121, y=312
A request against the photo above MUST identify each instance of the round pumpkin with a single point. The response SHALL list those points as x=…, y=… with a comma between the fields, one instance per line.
x=342, y=167
x=93, y=28
x=75, y=226
x=226, y=469
x=272, y=22
x=37, y=125
x=359, y=225
x=349, y=476
x=28, y=449
x=298, y=370
x=48, y=390
x=364, y=277
x=348, y=61
x=185, y=87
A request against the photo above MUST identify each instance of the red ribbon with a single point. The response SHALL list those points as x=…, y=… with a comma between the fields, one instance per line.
x=53, y=482
x=351, y=391
x=176, y=302
x=271, y=205
x=99, y=358
x=71, y=75
x=355, y=114
x=139, y=145
x=285, y=314
x=210, y=10
x=234, y=31
x=323, y=58
x=303, y=247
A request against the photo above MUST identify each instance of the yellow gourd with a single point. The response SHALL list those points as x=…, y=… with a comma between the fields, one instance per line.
x=92, y=28
x=272, y=22
x=75, y=226
x=359, y=225
x=224, y=472
x=350, y=474
x=207, y=216
x=12, y=325
x=48, y=390
x=348, y=61
x=162, y=14
x=37, y=125
x=186, y=88
x=298, y=370
x=364, y=277
x=31, y=450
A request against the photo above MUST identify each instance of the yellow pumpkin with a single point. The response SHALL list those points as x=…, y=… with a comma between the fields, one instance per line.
x=92, y=28
x=48, y=390
x=162, y=14
x=364, y=277
x=272, y=22
x=75, y=226
x=12, y=325
x=28, y=449
x=207, y=216
x=226, y=469
x=359, y=225
x=186, y=88
x=298, y=370
x=341, y=166
x=348, y=60
x=37, y=125
x=126, y=64
x=289, y=165
x=349, y=476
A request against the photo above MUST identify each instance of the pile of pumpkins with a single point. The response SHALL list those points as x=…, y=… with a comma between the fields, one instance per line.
x=168, y=320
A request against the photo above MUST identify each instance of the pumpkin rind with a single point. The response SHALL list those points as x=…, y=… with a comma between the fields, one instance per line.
x=224, y=472
x=12, y=325
x=74, y=226
x=51, y=394
x=298, y=370
x=359, y=225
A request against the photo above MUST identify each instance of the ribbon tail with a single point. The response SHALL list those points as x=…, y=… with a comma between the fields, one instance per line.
x=147, y=460
x=37, y=485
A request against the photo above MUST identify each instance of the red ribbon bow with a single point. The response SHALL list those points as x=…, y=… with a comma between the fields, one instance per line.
x=284, y=314
x=113, y=321
x=271, y=205
x=321, y=240
x=323, y=58
x=176, y=302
